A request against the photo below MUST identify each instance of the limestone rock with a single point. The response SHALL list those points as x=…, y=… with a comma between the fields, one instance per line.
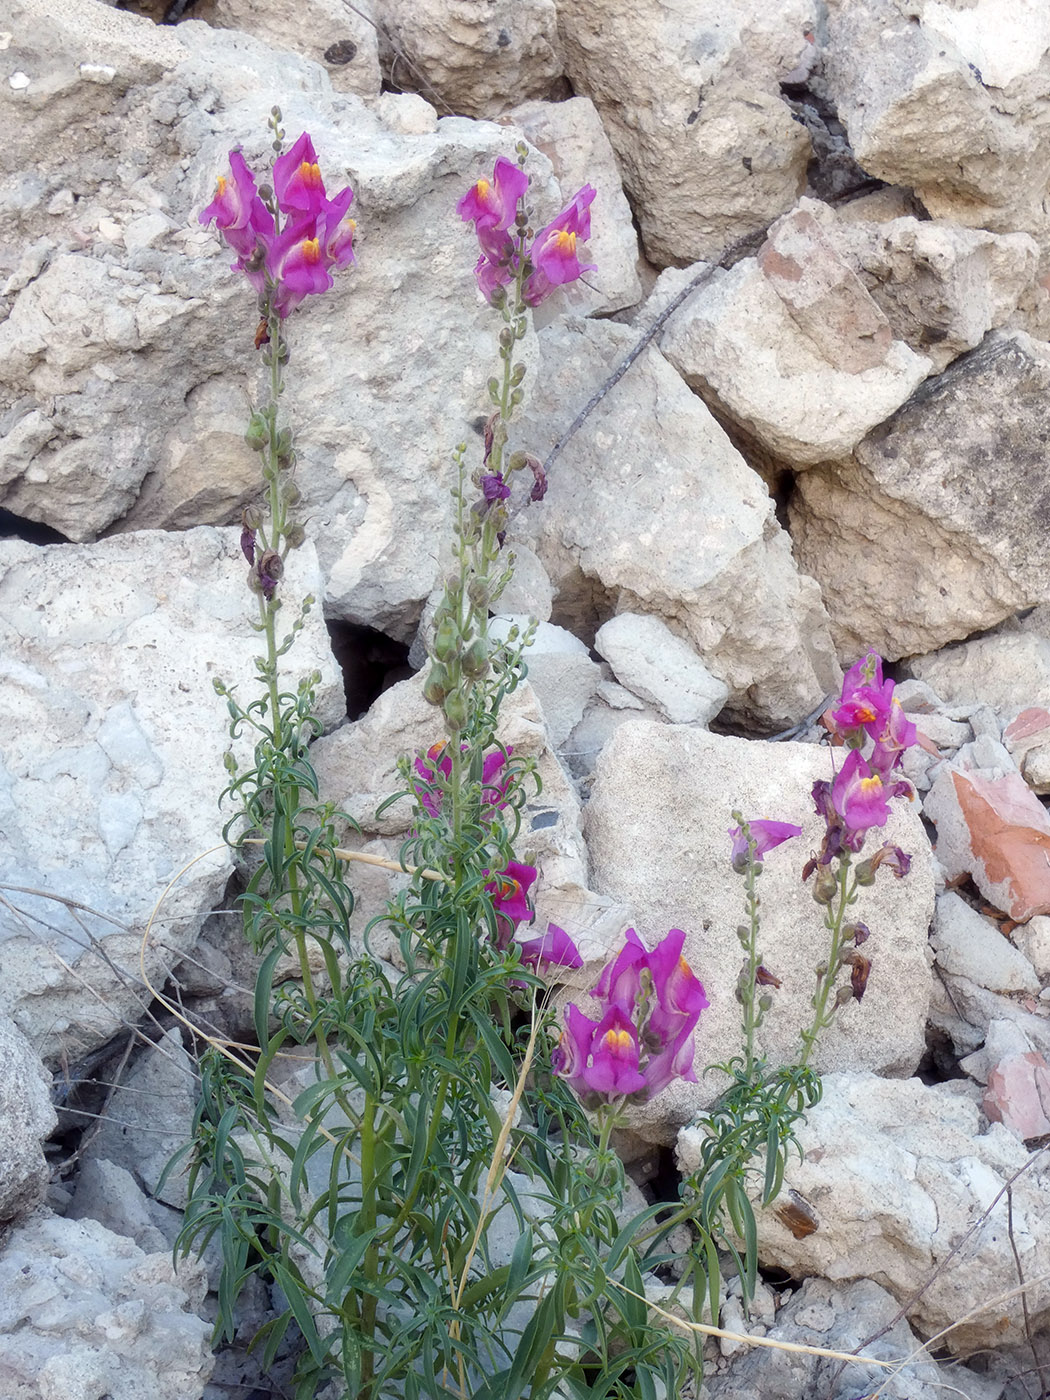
x=949, y=100
x=476, y=59
x=1008, y=670
x=561, y=673
x=691, y=101
x=150, y=1117
x=657, y=666
x=1019, y=1095
x=84, y=1312
x=804, y=364
x=686, y=783
x=327, y=31
x=572, y=137
x=28, y=1119
x=941, y=286
x=897, y=1172
x=936, y=526
x=969, y=945
x=651, y=510
x=992, y=827
x=111, y=758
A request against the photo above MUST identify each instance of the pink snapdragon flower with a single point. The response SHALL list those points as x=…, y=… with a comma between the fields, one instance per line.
x=869, y=709
x=549, y=261
x=298, y=259
x=435, y=769
x=650, y=1004
x=766, y=835
x=553, y=948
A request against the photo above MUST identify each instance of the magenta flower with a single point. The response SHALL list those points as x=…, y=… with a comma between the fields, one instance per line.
x=651, y=1003
x=555, y=948
x=493, y=207
x=765, y=834
x=548, y=262
x=510, y=898
x=297, y=179
x=295, y=261
x=554, y=257
x=435, y=768
x=869, y=708
x=238, y=212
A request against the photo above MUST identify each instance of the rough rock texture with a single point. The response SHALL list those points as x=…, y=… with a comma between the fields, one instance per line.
x=651, y=510
x=937, y=526
x=572, y=137
x=561, y=674
x=123, y=381
x=689, y=96
x=1019, y=1094
x=896, y=1173
x=657, y=666
x=85, y=1313
x=949, y=99
x=150, y=1117
x=328, y=31
x=475, y=59
x=792, y=350
x=28, y=1119
x=991, y=826
x=839, y=1319
x=684, y=784
x=942, y=287
x=1008, y=670
x=969, y=945
x=111, y=650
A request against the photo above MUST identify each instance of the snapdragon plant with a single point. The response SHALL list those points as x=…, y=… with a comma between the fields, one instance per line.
x=438, y=1204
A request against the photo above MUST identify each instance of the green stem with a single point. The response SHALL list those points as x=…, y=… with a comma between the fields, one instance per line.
x=368, y=1216
x=844, y=897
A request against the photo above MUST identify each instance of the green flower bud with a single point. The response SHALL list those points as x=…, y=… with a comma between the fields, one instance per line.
x=824, y=886
x=843, y=995
x=744, y=934
x=517, y=375
x=455, y=708
x=446, y=640
x=506, y=338
x=437, y=685
x=251, y=517
x=764, y=1003
x=476, y=660
x=864, y=874
x=494, y=394
x=258, y=434
x=517, y=396
x=290, y=493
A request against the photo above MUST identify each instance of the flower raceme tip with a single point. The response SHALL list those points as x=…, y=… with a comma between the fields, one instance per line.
x=295, y=261
x=766, y=835
x=550, y=260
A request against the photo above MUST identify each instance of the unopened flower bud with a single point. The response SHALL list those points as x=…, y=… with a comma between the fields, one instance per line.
x=295, y=535
x=251, y=517
x=257, y=435
x=494, y=394
x=843, y=995
x=290, y=493
x=437, y=685
x=455, y=708
x=825, y=885
x=476, y=660
x=517, y=396
x=446, y=638
x=517, y=374
x=864, y=874
x=744, y=934
x=506, y=338
x=478, y=592
x=764, y=1003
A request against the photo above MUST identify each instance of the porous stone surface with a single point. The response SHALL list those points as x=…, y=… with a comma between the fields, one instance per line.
x=686, y=783
x=656, y=665
x=85, y=1313
x=936, y=526
x=651, y=510
x=475, y=59
x=897, y=1172
x=111, y=651
x=690, y=98
x=28, y=1119
x=805, y=364
x=969, y=945
x=947, y=99
x=341, y=37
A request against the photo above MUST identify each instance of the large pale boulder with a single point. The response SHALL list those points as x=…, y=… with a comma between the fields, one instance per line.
x=896, y=1173
x=949, y=99
x=791, y=347
x=690, y=98
x=127, y=363
x=28, y=1119
x=656, y=831
x=342, y=37
x=936, y=526
x=651, y=510
x=111, y=759
x=85, y=1313
x=474, y=59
